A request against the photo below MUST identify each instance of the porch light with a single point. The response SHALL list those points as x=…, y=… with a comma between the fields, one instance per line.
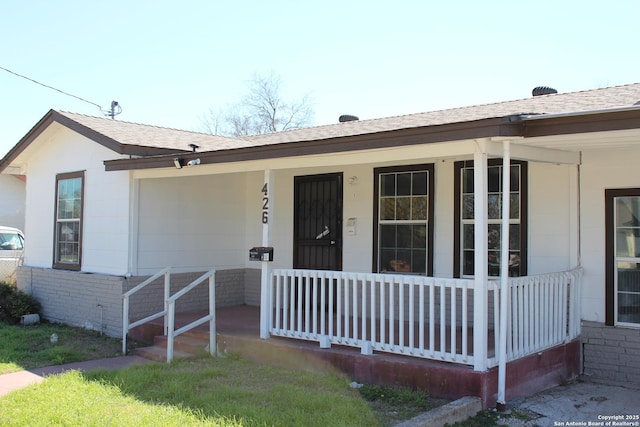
x=178, y=162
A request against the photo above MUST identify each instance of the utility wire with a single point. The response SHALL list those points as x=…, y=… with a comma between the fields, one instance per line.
x=50, y=87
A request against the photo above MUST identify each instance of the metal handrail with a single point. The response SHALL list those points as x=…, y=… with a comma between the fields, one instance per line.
x=126, y=326
x=211, y=317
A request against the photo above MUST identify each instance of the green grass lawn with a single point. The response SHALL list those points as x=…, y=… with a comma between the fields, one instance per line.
x=203, y=391
x=223, y=391
x=28, y=347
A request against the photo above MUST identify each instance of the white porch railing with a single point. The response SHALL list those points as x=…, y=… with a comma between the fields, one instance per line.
x=126, y=326
x=410, y=315
x=211, y=317
x=169, y=310
x=544, y=311
x=421, y=316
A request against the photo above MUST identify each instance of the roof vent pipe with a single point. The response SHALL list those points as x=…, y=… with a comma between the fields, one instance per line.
x=347, y=118
x=543, y=90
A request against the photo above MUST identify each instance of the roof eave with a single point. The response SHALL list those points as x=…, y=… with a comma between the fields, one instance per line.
x=493, y=127
x=614, y=119
x=54, y=116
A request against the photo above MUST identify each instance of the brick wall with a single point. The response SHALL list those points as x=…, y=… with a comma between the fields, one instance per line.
x=611, y=353
x=94, y=301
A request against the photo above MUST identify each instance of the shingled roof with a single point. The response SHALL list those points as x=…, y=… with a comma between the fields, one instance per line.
x=590, y=100
x=142, y=140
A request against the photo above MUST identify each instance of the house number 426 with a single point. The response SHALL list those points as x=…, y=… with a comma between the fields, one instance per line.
x=265, y=204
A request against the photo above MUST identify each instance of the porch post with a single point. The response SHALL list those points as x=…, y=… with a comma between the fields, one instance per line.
x=265, y=276
x=504, y=274
x=480, y=298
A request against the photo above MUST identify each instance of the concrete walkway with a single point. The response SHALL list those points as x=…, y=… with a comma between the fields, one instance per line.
x=20, y=379
x=581, y=403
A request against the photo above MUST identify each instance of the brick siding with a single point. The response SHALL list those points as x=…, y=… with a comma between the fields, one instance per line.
x=94, y=301
x=611, y=353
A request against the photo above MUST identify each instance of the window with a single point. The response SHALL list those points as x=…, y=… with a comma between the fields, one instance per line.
x=623, y=256
x=403, y=235
x=465, y=223
x=68, y=221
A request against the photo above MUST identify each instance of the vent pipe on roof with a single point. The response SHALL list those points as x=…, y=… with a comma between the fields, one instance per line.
x=347, y=118
x=543, y=90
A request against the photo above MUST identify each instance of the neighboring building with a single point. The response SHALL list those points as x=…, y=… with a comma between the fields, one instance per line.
x=12, y=200
x=110, y=203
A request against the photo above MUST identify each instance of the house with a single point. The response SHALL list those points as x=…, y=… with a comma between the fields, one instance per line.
x=12, y=196
x=364, y=232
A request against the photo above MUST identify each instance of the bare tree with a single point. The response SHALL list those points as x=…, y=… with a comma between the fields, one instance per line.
x=261, y=110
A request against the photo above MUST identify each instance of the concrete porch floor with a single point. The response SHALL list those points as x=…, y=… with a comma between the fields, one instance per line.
x=238, y=330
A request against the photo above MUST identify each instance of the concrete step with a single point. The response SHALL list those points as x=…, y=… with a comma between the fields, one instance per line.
x=185, y=343
x=159, y=354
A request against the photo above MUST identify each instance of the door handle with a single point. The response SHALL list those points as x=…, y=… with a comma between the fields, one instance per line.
x=325, y=232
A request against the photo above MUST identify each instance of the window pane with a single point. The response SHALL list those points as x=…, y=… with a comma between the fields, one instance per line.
x=386, y=256
x=467, y=206
x=388, y=236
x=629, y=308
x=419, y=183
x=467, y=236
x=403, y=208
x=388, y=185
x=467, y=180
x=494, y=236
x=404, y=237
x=493, y=265
x=627, y=242
x=419, y=208
x=514, y=237
x=493, y=179
x=628, y=277
x=402, y=262
x=68, y=235
x=514, y=264
x=419, y=236
x=515, y=178
x=388, y=208
x=419, y=261
x=468, y=262
x=404, y=184
x=514, y=208
x=494, y=206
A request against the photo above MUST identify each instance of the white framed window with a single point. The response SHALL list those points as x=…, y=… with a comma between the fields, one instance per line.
x=68, y=221
x=464, y=233
x=623, y=255
x=403, y=235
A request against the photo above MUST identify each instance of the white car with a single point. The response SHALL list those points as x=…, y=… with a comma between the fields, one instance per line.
x=11, y=253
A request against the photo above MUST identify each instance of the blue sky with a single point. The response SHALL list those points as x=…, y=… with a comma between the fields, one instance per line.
x=168, y=62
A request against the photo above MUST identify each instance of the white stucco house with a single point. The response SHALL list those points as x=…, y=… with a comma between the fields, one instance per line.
x=375, y=219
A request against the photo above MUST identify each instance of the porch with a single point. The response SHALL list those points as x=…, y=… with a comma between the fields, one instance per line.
x=411, y=330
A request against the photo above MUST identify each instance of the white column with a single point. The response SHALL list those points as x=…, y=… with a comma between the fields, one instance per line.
x=504, y=273
x=480, y=307
x=265, y=276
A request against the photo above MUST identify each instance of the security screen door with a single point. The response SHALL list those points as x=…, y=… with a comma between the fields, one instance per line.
x=318, y=222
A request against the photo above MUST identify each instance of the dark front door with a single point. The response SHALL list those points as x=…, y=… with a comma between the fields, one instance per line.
x=318, y=222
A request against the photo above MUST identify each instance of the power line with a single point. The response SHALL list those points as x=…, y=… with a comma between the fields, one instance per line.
x=51, y=87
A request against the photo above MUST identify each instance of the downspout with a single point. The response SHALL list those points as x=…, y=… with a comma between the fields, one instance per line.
x=504, y=275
